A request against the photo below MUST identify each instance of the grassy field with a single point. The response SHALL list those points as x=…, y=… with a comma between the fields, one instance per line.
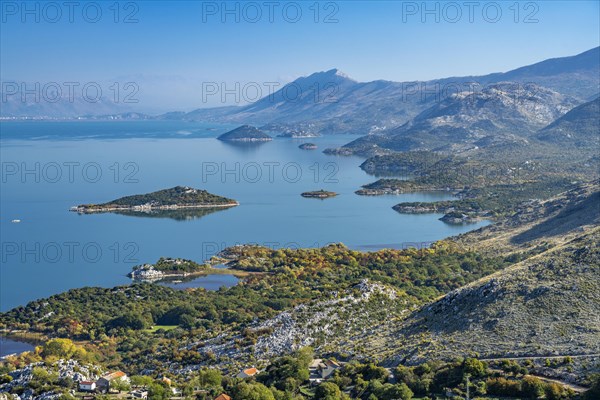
x=164, y=327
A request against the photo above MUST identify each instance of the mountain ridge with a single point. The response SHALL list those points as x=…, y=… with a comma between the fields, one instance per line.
x=331, y=102
x=364, y=107
x=502, y=113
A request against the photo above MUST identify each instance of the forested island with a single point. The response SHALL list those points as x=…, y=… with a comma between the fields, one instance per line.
x=245, y=133
x=308, y=146
x=319, y=194
x=178, y=197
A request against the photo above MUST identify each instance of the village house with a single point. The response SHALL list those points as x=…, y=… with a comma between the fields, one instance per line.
x=322, y=369
x=222, y=396
x=139, y=394
x=87, y=386
x=105, y=382
x=247, y=373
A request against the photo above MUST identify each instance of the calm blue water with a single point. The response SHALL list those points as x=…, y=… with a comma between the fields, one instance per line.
x=48, y=167
x=9, y=346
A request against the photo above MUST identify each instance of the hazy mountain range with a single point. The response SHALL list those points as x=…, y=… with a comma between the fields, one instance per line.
x=331, y=102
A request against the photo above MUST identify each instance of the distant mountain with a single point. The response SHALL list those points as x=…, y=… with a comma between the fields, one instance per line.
x=499, y=114
x=331, y=102
x=574, y=76
x=324, y=102
x=245, y=133
x=58, y=105
x=580, y=126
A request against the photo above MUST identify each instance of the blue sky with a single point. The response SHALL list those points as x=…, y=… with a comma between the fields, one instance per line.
x=170, y=48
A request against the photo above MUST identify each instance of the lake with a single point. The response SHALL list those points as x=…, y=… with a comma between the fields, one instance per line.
x=47, y=167
x=10, y=346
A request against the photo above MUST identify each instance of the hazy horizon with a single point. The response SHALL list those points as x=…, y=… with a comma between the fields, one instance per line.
x=170, y=52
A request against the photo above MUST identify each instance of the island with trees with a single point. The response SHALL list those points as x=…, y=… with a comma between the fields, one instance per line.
x=178, y=197
x=308, y=146
x=319, y=194
x=245, y=133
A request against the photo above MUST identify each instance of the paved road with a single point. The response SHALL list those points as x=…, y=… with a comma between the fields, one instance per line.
x=541, y=357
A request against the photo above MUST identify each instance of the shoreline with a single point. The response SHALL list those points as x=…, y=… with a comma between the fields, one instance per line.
x=142, y=208
x=21, y=336
x=238, y=273
x=385, y=192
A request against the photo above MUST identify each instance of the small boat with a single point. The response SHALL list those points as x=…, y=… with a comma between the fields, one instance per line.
x=15, y=221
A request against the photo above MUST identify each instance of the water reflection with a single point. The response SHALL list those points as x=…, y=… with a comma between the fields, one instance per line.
x=186, y=214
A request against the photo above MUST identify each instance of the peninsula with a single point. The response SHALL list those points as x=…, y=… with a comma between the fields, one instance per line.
x=167, y=267
x=179, y=197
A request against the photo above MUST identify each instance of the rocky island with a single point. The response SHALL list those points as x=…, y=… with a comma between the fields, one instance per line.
x=179, y=197
x=308, y=146
x=245, y=133
x=319, y=194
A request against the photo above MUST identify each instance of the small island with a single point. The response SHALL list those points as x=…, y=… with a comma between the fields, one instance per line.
x=308, y=146
x=319, y=194
x=179, y=197
x=245, y=133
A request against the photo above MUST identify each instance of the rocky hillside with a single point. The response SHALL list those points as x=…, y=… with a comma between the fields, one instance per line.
x=544, y=306
x=538, y=224
x=579, y=127
x=505, y=113
x=331, y=325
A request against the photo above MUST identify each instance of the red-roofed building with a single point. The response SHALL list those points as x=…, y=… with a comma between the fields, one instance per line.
x=247, y=373
x=104, y=383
